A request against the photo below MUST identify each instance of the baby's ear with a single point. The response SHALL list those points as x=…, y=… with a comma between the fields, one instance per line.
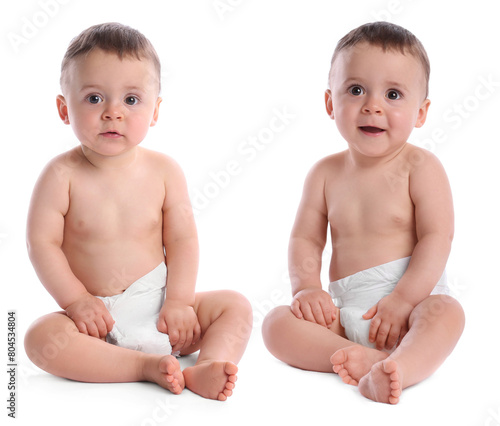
x=156, y=112
x=422, y=113
x=329, y=104
x=62, y=108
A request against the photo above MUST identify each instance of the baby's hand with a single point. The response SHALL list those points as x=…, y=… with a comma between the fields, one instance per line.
x=90, y=316
x=181, y=324
x=389, y=321
x=314, y=305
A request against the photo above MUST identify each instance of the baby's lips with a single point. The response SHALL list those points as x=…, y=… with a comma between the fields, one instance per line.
x=111, y=134
x=371, y=129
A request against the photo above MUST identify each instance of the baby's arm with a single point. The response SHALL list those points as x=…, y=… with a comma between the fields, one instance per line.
x=431, y=195
x=45, y=233
x=307, y=242
x=177, y=316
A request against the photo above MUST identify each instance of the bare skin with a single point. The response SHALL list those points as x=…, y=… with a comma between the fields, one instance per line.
x=108, y=212
x=435, y=323
x=214, y=380
x=55, y=345
x=354, y=362
x=382, y=199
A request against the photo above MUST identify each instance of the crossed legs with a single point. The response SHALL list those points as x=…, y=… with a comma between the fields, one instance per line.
x=55, y=345
x=301, y=343
x=435, y=327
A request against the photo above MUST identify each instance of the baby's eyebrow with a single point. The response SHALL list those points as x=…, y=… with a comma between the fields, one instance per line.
x=397, y=84
x=352, y=80
x=98, y=87
x=86, y=87
x=134, y=89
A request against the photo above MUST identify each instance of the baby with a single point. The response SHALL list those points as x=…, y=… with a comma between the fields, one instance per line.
x=106, y=220
x=391, y=323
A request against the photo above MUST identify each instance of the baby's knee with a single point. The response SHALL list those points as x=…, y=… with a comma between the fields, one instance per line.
x=239, y=301
x=454, y=310
x=442, y=308
x=47, y=336
x=235, y=303
x=274, y=322
x=45, y=326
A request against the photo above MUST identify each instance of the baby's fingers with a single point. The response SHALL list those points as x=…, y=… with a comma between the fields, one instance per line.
x=374, y=326
x=173, y=336
x=92, y=329
x=307, y=312
x=371, y=312
x=102, y=328
x=82, y=328
x=180, y=341
x=393, y=337
x=382, y=335
x=329, y=313
x=295, y=308
x=319, y=315
x=109, y=322
x=162, y=326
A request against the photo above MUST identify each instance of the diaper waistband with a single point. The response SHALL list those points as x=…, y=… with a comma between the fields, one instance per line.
x=373, y=278
x=157, y=278
x=153, y=280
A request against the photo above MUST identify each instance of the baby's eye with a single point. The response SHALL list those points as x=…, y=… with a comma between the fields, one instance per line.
x=131, y=100
x=356, y=90
x=94, y=99
x=393, y=95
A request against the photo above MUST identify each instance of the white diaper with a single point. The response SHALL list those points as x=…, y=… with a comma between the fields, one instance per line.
x=356, y=294
x=136, y=313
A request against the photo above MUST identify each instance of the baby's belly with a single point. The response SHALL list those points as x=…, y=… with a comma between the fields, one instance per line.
x=349, y=257
x=109, y=270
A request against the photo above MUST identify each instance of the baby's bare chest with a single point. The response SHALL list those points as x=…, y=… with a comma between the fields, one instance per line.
x=369, y=204
x=105, y=209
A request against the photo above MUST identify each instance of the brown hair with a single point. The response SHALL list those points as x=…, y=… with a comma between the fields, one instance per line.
x=111, y=37
x=389, y=37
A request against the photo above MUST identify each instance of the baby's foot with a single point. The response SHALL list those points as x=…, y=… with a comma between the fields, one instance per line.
x=166, y=372
x=383, y=383
x=354, y=362
x=212, y=379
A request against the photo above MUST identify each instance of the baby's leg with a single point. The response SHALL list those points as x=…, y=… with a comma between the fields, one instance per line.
x=225, y=318
x=55, y=345
x=301, y=343
x=435, y=327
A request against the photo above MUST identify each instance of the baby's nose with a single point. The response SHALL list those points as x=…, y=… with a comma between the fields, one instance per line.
x=112, y=112
x=372, y=106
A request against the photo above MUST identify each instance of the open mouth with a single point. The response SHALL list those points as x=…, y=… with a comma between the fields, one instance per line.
x=371, y=129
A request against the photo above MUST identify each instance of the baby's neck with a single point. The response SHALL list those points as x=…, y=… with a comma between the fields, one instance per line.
x=359, y=161
x=110, y=163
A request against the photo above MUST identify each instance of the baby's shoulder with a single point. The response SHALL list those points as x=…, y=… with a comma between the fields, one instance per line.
x=62, y=167
x=325, y=170
x=157, y=159
x=329, y=165
x=160, y=163
x=420, y=159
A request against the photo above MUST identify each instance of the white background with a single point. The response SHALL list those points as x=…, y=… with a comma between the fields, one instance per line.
x=228, y=66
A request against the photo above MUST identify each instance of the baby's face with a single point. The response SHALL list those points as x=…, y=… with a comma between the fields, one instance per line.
x=110, y=102
x=376, y=98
